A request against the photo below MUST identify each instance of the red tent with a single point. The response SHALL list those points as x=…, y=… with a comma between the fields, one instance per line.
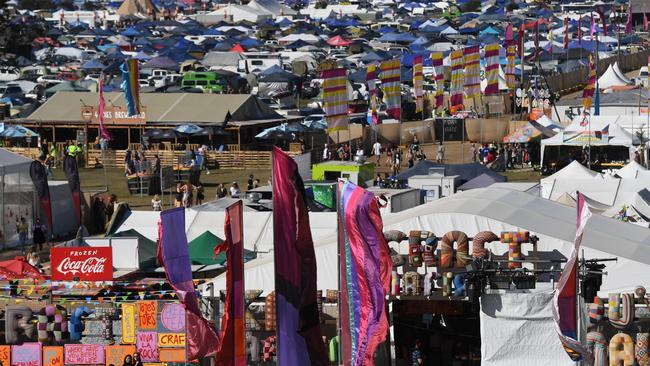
x=20, y=268
x=338, y=41
x=237, y=48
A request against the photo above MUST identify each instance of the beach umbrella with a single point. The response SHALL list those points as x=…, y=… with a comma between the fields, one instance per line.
x=274, y=133
x=188, y=129
x=158, y=134
x=315, y=125
x=17, y=131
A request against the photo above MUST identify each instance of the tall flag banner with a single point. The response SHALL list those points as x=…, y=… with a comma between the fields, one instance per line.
x=492, y=68
x=299, y=340
x=371, y=81
x=72, y=173
x=592, y=26
x=103, y=132
x=521, y=38
x=588, y=92
x=629, y=25
x=390, y=84
x=472, y=59
x=131, y=86
x=335, y=98
x=648, y=86
x=509, y=32
x=365, y=268
x=565, y=297
x=566, y=33
x=39, y=178
x=645, y=19
x=456, y=88
x=536, y=30
x=417, y=84
x=232, y=350
x=436, y=62
x=580, y=31
x=603, y=17
x=202, y=339
x=510, y=64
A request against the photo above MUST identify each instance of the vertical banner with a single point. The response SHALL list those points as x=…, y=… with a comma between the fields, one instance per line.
x=391, y=85
x=417, y=83
x=456, y=89
x=566, y=33
x=335, y=98
x=472, y=61
x=492, y=68
x=39, y=178
x=27, y=354
x=115, y=354
x=103, y=132
x=588, y=92
x=147, y=315
x=53, y=356
x=147, y=346
x=131, y=87
x=371, y=81
x=5, y=355
x=439, y=72
x=72, y=173
x=510, y=65
x=128, y=323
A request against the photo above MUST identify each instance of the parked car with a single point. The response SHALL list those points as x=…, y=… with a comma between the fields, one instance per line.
x=11, y=91
x=8, y=73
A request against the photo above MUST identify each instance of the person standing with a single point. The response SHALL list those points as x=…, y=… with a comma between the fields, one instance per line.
x=221, y=191
x=473, y=152
x=249, y=183
x=417, y=356
x=441, y=153
x=39, y=234
x=376, y=151
x=156, y=203
x=235, y=192
x=21, y=229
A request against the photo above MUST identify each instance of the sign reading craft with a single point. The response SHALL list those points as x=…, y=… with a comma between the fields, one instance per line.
x=113, y=115
x=84, y=263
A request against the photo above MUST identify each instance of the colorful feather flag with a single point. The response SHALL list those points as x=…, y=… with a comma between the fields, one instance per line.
x=521, y=39
x=103, y=132
x=566, y=33
x=565, y=297
x=456, y=88
x=436, y=62
x=232, y=350
x=492, y=68
x=365, y=268
x=592, y=26
x=39, y=178
x=131, y=86
x=417, y=84
x=536, y=30
x=335, y=98
x=472, y=60
x=603, y=17
x=509, y=32
x=588, y=92
x=391, y=85
x=580, y=31
x=371, y=81
x=629, y=25
x=510, y=64
x=645, y=19
x=298, y=329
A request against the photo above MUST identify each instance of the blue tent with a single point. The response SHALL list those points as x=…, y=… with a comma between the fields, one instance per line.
x=397, y=37
x=161, y=62
x=116, y=55
x=93, y=64
x=420, y=41
x=249, y=43
x=490, y=30
x=142, y=56
x=375, y=56
x=131, y=32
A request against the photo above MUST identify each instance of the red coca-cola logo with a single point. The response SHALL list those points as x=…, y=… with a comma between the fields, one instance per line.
x=91, y=264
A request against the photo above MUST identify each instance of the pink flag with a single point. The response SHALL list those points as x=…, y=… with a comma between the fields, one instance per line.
x=509, y=32
x=103, y=132
x=580, y=31
x=566, y=33
x=628, y=24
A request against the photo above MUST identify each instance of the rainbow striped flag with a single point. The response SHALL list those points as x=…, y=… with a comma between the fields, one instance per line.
x=130, y=86
x=365, y=268
x=391, y=83
x=588, y=92
x=371, y=80
x=492, y=68
x=511, y=49
x=456, y=88
x=436, y=61
x=417, y=84
x=335, y=99
x=472, y=60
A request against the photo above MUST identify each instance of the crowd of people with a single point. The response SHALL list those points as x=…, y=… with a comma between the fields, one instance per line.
x=501, y=156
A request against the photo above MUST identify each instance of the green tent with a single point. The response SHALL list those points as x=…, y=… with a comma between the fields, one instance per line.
x=147, y=249
x=202, y=250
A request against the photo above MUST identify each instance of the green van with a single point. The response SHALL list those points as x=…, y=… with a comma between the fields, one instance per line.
x=208, y=81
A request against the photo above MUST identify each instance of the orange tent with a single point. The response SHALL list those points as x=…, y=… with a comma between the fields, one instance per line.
x=237, y=48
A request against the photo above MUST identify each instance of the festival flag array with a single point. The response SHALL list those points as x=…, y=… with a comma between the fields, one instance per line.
x=510, y=64
x=365, y=274
x=103, y=132
x=391, y=83
x=492, y=68
x=335, y=98
x=472, y=60
x=299, y=341
x=436, y=61
x=417, y=84
x=456, y=88
x=232, y=350
x=565, y=297
x=371, y=81
x=131, y=86
x=588, y=92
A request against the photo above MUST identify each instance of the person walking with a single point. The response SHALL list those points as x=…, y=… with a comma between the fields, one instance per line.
x=156, y=203
x=39, y=234
x=441, y=153
x=21, y=229
x=376, y=150
x=473, y=152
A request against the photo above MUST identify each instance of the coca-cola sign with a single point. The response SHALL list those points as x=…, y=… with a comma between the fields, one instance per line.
x=82, y=263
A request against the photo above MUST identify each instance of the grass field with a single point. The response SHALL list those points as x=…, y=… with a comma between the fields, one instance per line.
x=94, y=180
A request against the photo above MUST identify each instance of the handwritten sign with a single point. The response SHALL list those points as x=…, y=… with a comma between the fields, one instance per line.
x=5, y=355
x=52, y=356
x=128, y=323
x=172, y=318
x=147, y=313
x=171, y=339
x=84, y=354
x=27, y=354
x=115, y=354
x=172, y=355
x=148, y=346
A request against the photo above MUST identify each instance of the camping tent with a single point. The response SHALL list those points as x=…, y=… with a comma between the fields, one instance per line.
x=147, y=249
x=16, y=194
x=610, y=79
x=201, y=250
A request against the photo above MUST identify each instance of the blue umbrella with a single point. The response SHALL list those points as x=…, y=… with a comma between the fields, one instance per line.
x=273, y=133
x=188, y=129
x=315, y=125
x=294, y=127
x=16, y=131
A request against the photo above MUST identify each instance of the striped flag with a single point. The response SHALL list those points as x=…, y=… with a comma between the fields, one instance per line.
x=365, y=268
x=417, y=83
x=472, y=60
x=588, y=92
x=391, y=85
x=492, y=68
x=436, y=61
x=131, y=86
x=456, y=88
x=510, y=64
x=232, y=350
x=103, y=132
x=565, y=297
x=335, y=98
x=371, y=80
